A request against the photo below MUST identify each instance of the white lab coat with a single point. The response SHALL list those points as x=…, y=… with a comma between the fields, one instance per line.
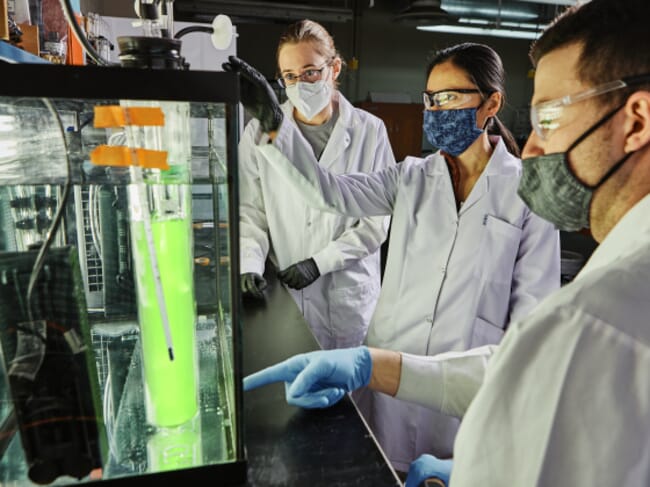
x=274, y=221
x=566, y=397
x=453, y=279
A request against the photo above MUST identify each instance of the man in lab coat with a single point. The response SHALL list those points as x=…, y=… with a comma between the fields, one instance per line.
x=564, y=400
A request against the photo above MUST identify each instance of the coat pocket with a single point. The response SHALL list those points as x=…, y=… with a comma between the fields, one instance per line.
x=499, y=248
x=350, y=311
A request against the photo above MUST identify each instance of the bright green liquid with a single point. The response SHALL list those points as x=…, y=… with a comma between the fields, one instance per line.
x=174, y=448
x=171, y=386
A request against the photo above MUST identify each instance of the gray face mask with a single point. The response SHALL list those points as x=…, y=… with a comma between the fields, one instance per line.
x=551, y=190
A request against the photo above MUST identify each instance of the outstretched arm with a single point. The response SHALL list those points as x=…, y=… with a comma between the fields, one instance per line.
x=352, y=194
x=445, y=382
x=320, y=379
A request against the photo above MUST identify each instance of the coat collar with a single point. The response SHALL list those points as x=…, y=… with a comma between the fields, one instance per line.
x=501, y=163
x=631, y=233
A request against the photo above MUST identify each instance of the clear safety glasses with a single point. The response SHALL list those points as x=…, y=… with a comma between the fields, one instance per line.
x=545, y=117
x=310, y=75
x=447, y=99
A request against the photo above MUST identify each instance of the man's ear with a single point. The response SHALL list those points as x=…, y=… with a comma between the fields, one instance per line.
x=637, y=121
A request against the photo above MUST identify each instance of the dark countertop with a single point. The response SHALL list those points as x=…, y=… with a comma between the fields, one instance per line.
x=290, y=446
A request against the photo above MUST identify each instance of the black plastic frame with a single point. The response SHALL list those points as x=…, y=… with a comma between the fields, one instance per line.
x=61, y=81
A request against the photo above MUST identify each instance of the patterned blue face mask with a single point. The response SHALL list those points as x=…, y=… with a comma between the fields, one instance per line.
x=452, y=131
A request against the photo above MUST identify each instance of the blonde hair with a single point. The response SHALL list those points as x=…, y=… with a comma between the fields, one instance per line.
x=309, y=31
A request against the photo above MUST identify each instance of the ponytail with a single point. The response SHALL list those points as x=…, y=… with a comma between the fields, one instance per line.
x=496, y=127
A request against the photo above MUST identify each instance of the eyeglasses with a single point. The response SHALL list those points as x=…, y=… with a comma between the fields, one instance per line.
x=447, y=98
x=545, y=117
x=310, y=75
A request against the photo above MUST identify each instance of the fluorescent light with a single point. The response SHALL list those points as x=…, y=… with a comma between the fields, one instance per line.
x=490, y=12
x=469, y=21
x=523, y=26
x=463, y=21
x=485, y=31
x=558, y=2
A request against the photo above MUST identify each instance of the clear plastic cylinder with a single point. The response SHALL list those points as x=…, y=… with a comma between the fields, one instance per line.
x=162, y=246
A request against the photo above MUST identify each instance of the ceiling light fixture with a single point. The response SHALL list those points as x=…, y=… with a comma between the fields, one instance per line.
x=500, y=28
x=425, y=12
x=486, y=30
x=489, y=12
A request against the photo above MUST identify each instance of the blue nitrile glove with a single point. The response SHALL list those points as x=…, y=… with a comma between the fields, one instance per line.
x=427, y=466
x=317, y=379
x=300, y=274
x=257, y=96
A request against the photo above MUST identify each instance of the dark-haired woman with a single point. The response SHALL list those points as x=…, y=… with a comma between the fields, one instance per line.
x=466, y=256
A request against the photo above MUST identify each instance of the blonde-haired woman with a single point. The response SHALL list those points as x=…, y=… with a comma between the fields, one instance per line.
x=329, y=263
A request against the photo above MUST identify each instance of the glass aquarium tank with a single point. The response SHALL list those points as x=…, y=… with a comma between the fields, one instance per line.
x=120, y=349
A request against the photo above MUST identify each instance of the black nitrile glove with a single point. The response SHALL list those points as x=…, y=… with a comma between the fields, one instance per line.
x=300, y=275
x=257, y=96
x=252, y=284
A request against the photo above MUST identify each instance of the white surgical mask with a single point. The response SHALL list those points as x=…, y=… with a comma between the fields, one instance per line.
x=310, y=98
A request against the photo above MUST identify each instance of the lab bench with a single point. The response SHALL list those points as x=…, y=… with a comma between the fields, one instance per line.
x=287, y=445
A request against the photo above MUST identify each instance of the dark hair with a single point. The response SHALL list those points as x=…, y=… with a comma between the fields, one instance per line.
x=485, y=68
x=614, y=37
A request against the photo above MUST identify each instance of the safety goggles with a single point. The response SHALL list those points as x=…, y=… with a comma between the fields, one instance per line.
x=449, y=98
x=310, y=75
x=545, y=117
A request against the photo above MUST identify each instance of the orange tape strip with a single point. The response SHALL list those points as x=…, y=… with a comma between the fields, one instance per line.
x=107, y=116
x=121, y=156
